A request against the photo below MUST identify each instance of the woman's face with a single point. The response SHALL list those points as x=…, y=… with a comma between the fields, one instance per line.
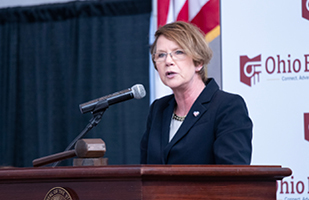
x=175, y=73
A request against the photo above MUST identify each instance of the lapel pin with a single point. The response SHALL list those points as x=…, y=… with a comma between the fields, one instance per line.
x=196, y=113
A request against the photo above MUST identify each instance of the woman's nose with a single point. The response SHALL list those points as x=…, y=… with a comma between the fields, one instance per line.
x=169, y=58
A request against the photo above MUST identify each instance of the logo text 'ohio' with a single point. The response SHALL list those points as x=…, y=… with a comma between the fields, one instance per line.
x=251, y=68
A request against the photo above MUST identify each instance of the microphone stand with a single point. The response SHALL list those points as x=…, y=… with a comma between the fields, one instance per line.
x=96, y=118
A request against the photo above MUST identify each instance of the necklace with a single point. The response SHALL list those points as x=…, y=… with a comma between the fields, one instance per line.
x=176, y=117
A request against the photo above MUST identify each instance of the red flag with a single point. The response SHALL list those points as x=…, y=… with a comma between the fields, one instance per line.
x=203, y=13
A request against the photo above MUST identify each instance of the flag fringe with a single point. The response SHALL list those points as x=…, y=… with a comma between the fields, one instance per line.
x=211, y=35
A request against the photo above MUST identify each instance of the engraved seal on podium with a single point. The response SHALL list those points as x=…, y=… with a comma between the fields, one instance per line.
x=58, y=193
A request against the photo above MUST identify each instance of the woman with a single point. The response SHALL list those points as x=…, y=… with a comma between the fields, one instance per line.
x=198, y=123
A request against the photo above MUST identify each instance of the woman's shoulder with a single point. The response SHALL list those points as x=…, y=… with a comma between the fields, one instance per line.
x=164, y=99
x=212, y=92
x=228, y=95
x=162, y=102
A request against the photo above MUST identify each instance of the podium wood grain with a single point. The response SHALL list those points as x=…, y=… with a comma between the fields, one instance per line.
x=145, y=182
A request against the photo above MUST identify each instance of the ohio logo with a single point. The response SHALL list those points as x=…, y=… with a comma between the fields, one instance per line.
x=250, y=69
x=306, y=123
x=305, y=9
x=278, y=67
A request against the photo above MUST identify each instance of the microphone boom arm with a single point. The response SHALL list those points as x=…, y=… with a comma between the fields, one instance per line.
x=95, y=120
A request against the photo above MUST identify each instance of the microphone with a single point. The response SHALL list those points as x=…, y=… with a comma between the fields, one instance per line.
x=137, y=91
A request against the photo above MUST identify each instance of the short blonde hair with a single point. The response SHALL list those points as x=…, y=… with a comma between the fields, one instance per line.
x=190, y=38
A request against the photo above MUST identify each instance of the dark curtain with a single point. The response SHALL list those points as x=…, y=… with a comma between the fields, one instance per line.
x=54, y=57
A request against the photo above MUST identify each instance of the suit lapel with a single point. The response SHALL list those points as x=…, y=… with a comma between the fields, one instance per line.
x=166, y=121
x=196, y=112
x=185, y=127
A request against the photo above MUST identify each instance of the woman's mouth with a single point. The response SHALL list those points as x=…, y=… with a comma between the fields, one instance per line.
x=170, y=74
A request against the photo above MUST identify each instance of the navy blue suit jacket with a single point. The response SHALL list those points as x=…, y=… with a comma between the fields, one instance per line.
x=221, y=133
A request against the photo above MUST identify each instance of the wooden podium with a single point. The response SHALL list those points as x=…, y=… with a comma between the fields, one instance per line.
x=160, y=182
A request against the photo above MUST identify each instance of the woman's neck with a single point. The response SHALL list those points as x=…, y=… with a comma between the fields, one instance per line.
x=185, y=98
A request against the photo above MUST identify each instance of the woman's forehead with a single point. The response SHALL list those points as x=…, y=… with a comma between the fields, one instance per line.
x=164, y=43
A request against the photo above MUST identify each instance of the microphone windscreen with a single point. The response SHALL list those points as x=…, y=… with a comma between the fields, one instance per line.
x=138, y=91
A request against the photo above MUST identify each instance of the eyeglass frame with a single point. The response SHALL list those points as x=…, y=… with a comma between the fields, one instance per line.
x=171, y=55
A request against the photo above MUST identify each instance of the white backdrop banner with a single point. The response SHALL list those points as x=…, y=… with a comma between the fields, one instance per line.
x=265, y=59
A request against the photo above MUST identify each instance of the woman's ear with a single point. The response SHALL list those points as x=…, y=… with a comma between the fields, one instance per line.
x=198, y=68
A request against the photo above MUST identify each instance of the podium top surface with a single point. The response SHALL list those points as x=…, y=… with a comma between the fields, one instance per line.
x=148, y=172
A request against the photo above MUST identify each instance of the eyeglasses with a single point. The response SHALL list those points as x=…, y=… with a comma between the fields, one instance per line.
x=175, y=55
